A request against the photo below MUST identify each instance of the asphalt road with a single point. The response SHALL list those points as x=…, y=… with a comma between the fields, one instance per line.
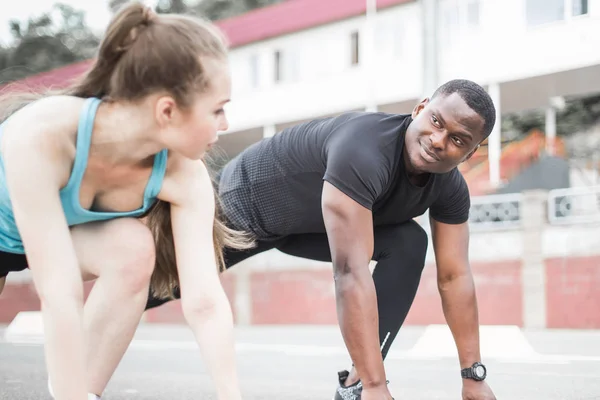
x=300, y=363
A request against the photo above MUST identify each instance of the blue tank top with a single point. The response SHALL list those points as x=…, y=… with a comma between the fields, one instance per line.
x=10, y=239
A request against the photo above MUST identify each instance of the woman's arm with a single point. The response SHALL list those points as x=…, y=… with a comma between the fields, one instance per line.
x=36, y=167
x=204, y=303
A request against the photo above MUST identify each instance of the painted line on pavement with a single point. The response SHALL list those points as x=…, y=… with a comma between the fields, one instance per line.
x=505, y=344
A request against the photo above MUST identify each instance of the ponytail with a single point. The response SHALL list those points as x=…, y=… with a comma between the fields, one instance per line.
x=120, y=36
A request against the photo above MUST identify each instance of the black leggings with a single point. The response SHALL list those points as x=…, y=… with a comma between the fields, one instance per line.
x=400, y=254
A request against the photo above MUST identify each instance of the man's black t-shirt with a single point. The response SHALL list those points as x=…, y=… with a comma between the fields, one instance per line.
x=274, y=187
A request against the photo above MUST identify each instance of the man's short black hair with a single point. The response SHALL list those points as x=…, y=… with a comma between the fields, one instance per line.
x=476, y=98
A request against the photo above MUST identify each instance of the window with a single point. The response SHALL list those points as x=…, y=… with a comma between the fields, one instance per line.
x=451, y=25
x=293, y=64
x=544, y=11
x=540, y=12
x=580, y=7
x=389, y=38
x=355, y=45
x=472, y=18
x=286, y=64
x=459, y=18
x=278, y=66
x=254, y=71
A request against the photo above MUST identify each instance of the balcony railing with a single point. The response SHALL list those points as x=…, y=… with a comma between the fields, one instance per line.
x=579, y=205
x=496, y=211
x=574, y=205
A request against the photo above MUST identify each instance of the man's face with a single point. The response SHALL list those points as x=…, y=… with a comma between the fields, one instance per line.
x=444, y=132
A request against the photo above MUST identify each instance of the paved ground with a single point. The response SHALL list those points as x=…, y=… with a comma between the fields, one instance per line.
x=301, y=363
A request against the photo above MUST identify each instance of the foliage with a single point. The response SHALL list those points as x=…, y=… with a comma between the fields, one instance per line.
x=50, y=40
x=579, y=114
x=61, y=36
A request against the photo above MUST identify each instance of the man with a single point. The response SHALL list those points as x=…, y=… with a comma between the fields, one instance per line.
x=346, y=189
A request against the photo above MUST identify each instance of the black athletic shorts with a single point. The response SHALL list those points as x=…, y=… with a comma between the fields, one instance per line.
x=10, y=262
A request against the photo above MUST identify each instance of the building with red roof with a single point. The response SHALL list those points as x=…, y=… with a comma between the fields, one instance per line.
x=303, y=59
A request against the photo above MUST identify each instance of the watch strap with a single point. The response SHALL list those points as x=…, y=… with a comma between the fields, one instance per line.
x=469, y=373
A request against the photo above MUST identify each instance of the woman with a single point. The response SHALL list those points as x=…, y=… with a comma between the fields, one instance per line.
x=80, y=168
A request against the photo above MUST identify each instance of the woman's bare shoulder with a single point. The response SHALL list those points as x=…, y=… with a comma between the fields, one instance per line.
x=53, y=114
x=45, y=129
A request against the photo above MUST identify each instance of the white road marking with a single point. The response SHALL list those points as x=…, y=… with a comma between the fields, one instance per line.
x=505, y=344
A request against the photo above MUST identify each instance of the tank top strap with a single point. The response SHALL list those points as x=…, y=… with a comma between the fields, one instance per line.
x=158, y=174
x=84, y=140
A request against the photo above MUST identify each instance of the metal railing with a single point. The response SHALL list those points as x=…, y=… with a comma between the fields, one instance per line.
x=499, y=211
x=577, y=205
x=574, y=205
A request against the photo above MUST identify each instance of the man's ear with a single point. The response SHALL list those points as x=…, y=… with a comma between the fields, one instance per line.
x=419, y=107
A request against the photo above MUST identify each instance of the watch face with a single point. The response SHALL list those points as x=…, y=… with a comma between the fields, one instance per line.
x=479, y=371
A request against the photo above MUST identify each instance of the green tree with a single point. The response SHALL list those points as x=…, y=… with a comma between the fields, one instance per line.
x=53, y=39
x=578, y=115
x=115, y=5
x=173, y=6
x=221, y=9
x=211, y=9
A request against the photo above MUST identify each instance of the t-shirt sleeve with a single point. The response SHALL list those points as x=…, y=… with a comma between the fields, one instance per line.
x=453, y=204
x=357, y=167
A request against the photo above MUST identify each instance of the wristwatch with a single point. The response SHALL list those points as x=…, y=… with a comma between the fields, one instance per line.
x=477, y=372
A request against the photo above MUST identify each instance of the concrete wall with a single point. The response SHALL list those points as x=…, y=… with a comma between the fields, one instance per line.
x=539, y=275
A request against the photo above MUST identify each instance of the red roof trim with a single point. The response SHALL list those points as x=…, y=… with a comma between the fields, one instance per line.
x=264, y=23
x=292, y=16
x=57, y=78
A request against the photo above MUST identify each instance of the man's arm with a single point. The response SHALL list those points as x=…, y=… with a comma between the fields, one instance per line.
x=455, y=283
x=456, y=287
x=349, y=228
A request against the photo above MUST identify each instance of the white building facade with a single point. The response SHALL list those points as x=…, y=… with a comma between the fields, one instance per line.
x=527, y=53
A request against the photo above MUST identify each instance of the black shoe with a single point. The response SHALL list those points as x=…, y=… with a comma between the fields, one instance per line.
x=344, y=392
